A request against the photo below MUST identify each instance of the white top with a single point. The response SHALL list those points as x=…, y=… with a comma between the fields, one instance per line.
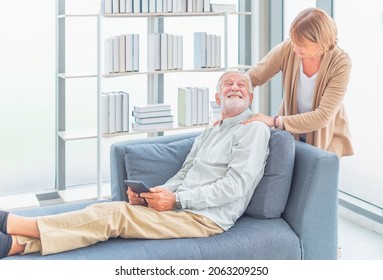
x=305, y=91
x=222, y=170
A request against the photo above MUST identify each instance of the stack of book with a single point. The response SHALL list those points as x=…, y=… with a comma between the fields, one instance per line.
x=115, y=112
x=152, y=117
x=165, y=52
x=155, y=6
x=215, y=111
x=207, y=50
x=122, y=53
x=193, y=106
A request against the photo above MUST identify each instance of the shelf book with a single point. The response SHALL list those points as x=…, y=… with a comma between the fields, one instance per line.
x=151, y=108
x=193, y=106
x=207, y=50
x=122, y=53
x=115, y=112
x=155, y=6
x=152, y=120
x=165, y=52
x=163, y=113
x=152, y=117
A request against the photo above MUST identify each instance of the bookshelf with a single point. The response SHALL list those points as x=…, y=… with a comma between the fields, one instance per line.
x=155, y=79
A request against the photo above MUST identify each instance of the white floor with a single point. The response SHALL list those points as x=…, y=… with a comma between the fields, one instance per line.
x=359, y=238
x=358, y=242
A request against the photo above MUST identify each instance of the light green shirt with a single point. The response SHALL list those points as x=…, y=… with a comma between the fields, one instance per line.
x=222, y=170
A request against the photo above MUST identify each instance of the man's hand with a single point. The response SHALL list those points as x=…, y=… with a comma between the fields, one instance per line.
x=160, y=199
x=135, y=199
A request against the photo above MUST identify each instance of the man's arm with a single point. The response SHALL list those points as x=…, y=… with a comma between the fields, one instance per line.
x=163, y=198
x=249, y=153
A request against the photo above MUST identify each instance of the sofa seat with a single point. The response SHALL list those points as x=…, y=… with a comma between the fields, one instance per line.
x=246, y=240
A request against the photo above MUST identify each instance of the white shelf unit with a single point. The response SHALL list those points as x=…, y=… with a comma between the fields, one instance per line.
x=63, y=135
x=61, y=83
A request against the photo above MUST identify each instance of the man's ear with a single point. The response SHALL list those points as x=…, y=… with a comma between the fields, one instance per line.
x=251, y=96
x=217, y=98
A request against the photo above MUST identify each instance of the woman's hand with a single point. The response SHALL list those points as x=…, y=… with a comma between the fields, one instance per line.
x=216, y=122
x=269, y=121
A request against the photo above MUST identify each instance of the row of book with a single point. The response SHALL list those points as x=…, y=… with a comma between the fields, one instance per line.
x=165, y=52
x=122, y=53
x=193, y=109
x=155, y=6
x=115, y=112
x=152, y=117
x=193, y=106
x=207, y=50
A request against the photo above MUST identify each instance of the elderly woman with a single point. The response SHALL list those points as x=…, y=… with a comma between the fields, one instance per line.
x=315, y=77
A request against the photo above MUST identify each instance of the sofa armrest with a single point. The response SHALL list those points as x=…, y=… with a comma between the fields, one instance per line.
x=117, y=160
x=312, y=206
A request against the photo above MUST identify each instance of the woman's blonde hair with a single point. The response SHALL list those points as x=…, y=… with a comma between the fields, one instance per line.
x=314, y=25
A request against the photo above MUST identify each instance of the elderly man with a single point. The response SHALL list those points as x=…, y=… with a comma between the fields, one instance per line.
x=208, y=194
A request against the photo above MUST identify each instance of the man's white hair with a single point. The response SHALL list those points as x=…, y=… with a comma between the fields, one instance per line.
x=243, y=74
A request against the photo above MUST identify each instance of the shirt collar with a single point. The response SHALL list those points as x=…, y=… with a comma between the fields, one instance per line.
x=229, y=121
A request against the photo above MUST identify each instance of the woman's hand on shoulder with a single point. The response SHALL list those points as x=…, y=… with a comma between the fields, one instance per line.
x=269, y=121
x=216, y=122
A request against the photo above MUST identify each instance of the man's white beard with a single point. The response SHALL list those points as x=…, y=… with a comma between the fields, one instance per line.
x=234, y=106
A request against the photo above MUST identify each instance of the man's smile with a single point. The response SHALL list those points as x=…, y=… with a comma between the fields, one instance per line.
x=234, y=95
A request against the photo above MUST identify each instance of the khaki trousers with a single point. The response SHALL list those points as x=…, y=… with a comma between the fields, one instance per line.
x=101, y=221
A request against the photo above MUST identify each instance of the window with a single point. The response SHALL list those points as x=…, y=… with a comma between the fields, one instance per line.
x=27, y=114
x=362, y=38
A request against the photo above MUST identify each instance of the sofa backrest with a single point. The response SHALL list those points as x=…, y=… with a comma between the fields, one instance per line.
x=128, y=159
x=155, y=163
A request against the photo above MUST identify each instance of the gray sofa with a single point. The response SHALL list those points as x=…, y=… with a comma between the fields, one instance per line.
x=292, y=215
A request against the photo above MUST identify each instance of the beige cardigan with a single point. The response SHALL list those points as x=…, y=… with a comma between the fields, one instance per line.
x=326, y=126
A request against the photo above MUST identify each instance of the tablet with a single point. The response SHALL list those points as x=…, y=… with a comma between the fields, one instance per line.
x=137, y=186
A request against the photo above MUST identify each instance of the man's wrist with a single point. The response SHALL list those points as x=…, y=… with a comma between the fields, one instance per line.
x=177, y=204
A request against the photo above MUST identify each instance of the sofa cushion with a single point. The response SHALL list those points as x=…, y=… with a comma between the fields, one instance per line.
x=270, y=196
x=155, y=163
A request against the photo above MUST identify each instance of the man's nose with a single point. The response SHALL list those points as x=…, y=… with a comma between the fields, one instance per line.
x=235, y=86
